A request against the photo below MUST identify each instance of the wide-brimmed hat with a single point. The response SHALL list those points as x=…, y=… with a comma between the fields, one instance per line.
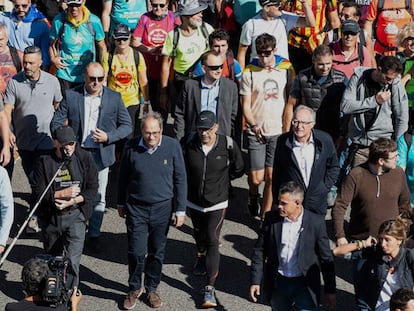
x=191, y=7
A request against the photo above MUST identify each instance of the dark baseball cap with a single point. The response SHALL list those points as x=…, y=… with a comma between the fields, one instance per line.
x=350, y=26
x=206, y=120
x=267, y=2
x=64, y=135
x=121, y=31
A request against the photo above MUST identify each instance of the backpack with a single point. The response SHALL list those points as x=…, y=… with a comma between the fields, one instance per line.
x=380, y=8
x=176, y=36
x=111, y=56
x=230, y=64
x=15, y=58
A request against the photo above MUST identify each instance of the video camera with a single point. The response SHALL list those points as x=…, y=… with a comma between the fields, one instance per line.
x=58, y=284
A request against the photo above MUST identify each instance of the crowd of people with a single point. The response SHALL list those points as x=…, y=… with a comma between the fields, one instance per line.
x=319, y=93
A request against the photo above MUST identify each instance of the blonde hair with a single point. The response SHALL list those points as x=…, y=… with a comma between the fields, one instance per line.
x=396, y=228
x=405, y=32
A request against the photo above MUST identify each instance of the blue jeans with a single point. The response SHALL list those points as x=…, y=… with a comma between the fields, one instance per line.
x=359, y=285
x=147, y=229
x=99, y=202
x=289, y=292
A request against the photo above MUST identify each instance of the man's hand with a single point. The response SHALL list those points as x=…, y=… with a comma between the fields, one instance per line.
x=330, y=300
x=12, y=140
x=5, y=156
x=254, y=291
x=382, y=96
x=1, y=249
x=99, y=136
x=68, y=193
x=341, y=241
x=122, y=212
x=75, y=299
x=62, y=204
x=178, y=221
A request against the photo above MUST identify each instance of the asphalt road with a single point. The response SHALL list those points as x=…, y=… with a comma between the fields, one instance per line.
x=104, y=276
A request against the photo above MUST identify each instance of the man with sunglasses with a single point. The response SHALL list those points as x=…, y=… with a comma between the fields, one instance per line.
x=77, y=38
x=264, y=88
x=67, y=205
x=211, y=92
x=99, y=118
x=26, y=26
x=377, y=104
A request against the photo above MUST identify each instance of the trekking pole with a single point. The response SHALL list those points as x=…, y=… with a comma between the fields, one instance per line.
x=8, y=250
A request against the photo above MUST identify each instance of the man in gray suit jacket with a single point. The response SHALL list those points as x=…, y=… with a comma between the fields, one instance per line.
x=99, y=118
x=211, y=92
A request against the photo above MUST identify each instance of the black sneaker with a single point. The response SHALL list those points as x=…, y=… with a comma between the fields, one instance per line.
x=253, y=204
x=199, y=268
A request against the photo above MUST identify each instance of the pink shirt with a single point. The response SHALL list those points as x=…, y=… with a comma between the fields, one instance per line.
x=347, y=66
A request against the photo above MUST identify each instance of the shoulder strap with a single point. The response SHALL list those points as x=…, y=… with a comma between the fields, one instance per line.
x=204, y=30
x=176, y=37
x=380, y=6
x=90, y=27
x=408, y=139
x=362, y=38
x=229, y=142
x=15, y=58
x=408, y=6
x=230, y=64
x=361, y=53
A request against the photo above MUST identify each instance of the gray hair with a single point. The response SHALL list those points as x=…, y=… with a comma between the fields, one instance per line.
x=152, y=115
x=303, y=107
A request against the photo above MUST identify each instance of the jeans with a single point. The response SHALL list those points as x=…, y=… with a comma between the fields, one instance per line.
x=359, y=284
x=65, y=235
x=99, y=202
x=289, y=292
x=147, y=229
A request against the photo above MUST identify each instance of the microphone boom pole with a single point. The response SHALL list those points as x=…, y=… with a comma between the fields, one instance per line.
x=8, y=250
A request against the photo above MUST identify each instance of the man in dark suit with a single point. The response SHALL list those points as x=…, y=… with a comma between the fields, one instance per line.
x=211, y=92
x=99, y=118
x=308, y=157
x=291, y=251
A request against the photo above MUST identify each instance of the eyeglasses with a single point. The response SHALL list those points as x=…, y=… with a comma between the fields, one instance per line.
x=297, y=122
x=349, y=33
x=121, y=39
x=149, y=134
x=214, y=67
x=157, y=5
x=98, y=79
x=278, y=5
x=393, y=157
x=74, y=5
x=264, y=53
x=409, y=38
x=23, y=6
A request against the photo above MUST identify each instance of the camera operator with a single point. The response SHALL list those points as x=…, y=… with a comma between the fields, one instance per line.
x=67, y=205
x=34, y=276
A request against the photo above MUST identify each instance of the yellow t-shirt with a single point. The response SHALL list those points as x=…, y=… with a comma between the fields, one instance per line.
x=124, y=77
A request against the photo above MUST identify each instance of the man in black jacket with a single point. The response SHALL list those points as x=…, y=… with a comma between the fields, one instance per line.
x=210, y=160
x=67, y=205
x=291, y=251
x=308, y=157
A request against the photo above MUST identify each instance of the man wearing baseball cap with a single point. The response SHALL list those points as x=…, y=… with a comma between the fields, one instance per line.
x=67, y=205
x=211, y=160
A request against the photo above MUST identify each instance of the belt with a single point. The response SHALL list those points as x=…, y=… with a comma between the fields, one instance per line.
x=290, y=278
x=66, y=211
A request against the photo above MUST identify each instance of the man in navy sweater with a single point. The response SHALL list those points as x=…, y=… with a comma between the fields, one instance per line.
x=152, y=175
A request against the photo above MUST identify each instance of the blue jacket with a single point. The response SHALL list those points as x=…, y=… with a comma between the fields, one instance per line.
x=113, y=119
x=324, y=172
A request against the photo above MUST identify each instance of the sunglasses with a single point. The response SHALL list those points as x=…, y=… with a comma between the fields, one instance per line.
x=157, y=5
x=98, y=79
x=23, y=6
x=69, y=143
x=214, y=67
x=264, y=52
x=345, y=16
x=121, y=39
x=349, y=33
x=74, y=5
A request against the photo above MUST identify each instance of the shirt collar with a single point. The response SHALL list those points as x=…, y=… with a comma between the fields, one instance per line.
x=205, y=86
x=298, y=220
x=298, y=144
x=143, y=145
x=86, y=94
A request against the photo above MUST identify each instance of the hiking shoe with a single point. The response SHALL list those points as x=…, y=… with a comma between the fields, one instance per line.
x=253, y=204
x=199, y=268
x=33, y=225
x=131, y=299
x=154, y=299
x=209, y=299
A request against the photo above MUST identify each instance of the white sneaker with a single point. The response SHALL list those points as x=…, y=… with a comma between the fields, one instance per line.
x=33, y=226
